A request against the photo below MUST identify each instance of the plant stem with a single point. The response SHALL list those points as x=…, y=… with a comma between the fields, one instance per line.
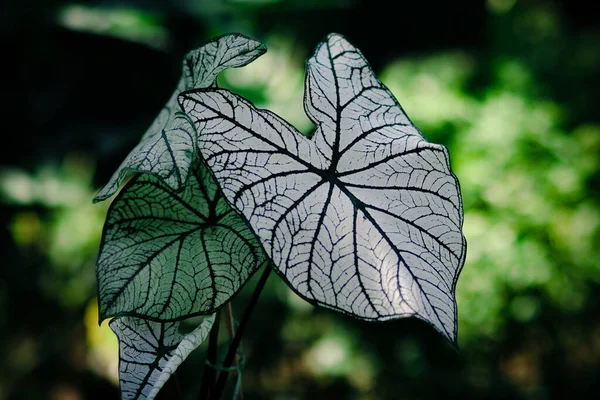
x=229, y=322
x=231, y=332
x=232, y=352
x=210, y=376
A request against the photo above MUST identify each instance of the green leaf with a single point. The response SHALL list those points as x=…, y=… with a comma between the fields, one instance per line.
x=167, y=149
x=166, y=255
x=365, y=216
x=150, y=352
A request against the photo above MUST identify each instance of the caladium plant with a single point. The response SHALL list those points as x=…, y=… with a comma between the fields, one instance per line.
x=364, y=216
x=171, y=246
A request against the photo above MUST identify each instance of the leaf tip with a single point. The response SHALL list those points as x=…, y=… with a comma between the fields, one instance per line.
x=110, y=188
x=253, y=44
x=101, y=317
x=454, y=344
x=261, y=48
x=103, y=314
x=98, y=198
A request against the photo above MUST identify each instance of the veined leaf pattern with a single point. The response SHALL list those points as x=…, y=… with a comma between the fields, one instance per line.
x=167, y=149
x=168, y=255
x=365, y=216
x=150, y=352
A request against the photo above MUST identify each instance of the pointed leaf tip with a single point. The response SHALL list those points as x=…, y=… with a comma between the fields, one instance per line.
x=201, y=66
x=167, y=149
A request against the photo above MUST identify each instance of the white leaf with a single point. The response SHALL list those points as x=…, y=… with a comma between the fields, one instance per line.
x=150, y=352
x=365, y=216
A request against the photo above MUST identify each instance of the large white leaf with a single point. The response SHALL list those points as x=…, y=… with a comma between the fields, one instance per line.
x=365, y=216
x=150, y=352
x=167, y=149
x=167, y=255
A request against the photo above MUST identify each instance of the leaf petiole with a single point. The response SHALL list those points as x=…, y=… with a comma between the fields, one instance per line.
x=231, y=333
x=210, y=375
x=232, y=352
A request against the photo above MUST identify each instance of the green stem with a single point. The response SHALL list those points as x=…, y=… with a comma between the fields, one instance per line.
x=209, y=377
x=232, y=352
x=231, y=333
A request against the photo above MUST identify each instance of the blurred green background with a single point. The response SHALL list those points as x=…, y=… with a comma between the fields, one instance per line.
x=510, y=86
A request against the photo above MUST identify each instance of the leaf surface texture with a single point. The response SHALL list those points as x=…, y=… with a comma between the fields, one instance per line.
x=167, y=149
x=365, y=216
x=150, y=352
x=168, y=255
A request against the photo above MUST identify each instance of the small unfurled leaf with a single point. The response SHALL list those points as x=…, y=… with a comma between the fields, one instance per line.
x=167, y=149
x=150, y=352
x=167, y=255
x=365, y=216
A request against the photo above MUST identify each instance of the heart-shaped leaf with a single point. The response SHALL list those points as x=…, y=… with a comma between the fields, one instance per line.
x=365, y=216
x=150, y=352
x=167, y=255
x=167, y=149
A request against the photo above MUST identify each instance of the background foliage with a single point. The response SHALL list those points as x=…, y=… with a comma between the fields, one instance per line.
x=505, y=84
